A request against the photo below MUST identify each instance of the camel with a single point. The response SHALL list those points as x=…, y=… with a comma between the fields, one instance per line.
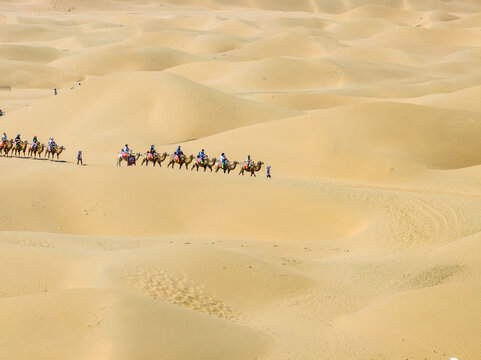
x=40, y=149
x=5, y=146
x=156, y=158
x=207, y=163
x=228, y=166
x=36, y=150
x=49, y=149
x=252, y=169
x=182, y=161
x=120, y=158
x=22, y=147
x=57, y=150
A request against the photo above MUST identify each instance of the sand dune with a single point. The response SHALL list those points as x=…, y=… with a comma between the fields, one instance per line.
x=410, y=326
x=102, y=320
x=155, y=119
x=116, y=59
x=365, y=242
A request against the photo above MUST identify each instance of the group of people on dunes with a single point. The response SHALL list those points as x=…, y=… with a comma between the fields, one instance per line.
x=18, y=147
x=202, y=160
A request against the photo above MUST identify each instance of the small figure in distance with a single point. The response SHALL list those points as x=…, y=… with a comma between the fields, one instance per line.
x=1, y=112
x=79, y=158
x=268, y=171
x=55, y=91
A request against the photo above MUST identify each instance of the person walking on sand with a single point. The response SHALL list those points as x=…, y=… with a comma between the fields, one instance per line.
x=268, y=171
x=55, y=91
x=79, y=158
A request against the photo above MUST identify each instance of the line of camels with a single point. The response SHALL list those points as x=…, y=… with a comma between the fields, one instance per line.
x=206, y=163
x=9, y=148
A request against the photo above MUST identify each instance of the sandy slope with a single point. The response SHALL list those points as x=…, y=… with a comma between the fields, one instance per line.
x=365, y=243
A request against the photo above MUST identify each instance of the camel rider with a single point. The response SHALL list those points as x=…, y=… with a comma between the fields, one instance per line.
x=201, y=156
x=51, y=144
x=248, y=162
x=223, y=160
x=152, y=149
x=35, y=142
x=4, y=137
x=17, y=140
x=179, y=152
x=126, y=149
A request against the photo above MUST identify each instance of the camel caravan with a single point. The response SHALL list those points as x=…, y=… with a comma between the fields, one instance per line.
x=202, y=161
x=34, y=150
x=21, y=148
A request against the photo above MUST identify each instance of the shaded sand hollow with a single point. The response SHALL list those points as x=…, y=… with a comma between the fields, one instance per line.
x=366, y=242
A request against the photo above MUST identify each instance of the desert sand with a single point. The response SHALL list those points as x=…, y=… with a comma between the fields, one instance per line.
x=364, y=244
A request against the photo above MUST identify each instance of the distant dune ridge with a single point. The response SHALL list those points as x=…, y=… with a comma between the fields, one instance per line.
x=365, y=242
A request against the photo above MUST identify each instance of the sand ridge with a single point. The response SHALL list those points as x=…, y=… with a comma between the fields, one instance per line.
x=364, y=244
